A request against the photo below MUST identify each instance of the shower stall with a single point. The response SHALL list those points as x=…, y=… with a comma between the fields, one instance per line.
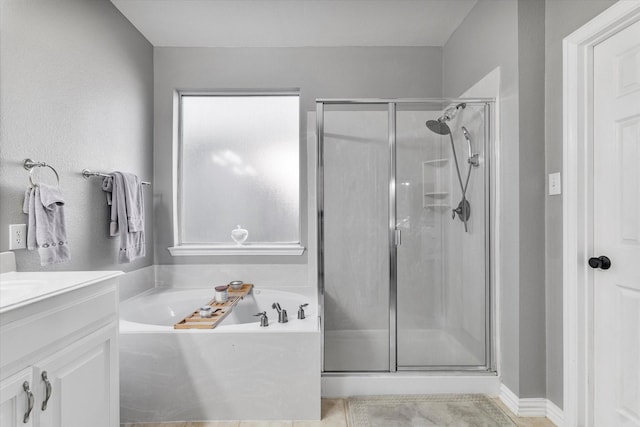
x=404, y=235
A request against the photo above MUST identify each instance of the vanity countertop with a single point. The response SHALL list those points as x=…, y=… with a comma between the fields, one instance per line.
x=18, y=289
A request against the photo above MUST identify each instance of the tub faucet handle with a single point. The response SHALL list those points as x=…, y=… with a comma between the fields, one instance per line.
x=301, y=311
x=264, y=320
x=282, y=313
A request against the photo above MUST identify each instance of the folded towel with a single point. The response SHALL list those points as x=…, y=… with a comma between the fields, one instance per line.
x=46, y=230
x=124, y=194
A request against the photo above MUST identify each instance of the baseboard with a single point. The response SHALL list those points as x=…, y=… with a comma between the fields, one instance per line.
x=531, y=407
x=509, y=398
x=555, y=414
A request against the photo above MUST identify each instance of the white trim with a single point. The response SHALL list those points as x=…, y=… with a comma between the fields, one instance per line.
x=555, y=414
x=193, y=250
x=509, y=398
x=531, y=407
x=577, y=204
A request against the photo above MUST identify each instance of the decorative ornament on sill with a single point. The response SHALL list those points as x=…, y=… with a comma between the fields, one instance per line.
x=239, y=235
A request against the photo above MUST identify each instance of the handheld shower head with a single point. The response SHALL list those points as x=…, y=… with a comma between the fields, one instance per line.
x=465, y=132
x=473, y=157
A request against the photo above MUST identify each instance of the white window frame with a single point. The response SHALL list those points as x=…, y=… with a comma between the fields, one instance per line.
x=185, y=249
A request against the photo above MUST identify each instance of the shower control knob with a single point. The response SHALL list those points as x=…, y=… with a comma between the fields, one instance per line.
x=602, y=262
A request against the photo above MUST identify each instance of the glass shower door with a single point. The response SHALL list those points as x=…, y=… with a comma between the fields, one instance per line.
x=442, y=292
x=355, y=152
x=405, y=281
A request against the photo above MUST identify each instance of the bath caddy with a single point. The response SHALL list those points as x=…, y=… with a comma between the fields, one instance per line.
x=219, y=310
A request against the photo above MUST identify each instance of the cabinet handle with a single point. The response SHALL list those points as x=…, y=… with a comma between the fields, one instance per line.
x=30, y=400
x=47, y=394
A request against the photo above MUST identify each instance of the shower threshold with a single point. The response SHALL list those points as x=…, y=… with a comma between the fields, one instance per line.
x=345, y=384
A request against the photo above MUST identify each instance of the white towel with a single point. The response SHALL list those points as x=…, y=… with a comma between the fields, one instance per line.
x=124, y=194
x=46, y=230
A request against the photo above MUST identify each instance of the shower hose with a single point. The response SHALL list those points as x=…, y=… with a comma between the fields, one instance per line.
x=463, y=210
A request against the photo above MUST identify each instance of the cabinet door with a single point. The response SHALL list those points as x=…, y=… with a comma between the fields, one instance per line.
x=83, y=380
x=16, y=395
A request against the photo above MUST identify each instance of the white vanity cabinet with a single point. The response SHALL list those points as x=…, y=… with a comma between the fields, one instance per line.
x=65, y=347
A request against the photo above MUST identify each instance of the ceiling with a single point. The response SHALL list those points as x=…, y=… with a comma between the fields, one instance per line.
x=295, y=23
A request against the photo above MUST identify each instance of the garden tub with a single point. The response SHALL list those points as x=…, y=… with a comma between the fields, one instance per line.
x=238, y=370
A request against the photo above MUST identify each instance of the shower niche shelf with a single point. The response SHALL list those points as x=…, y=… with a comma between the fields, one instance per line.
x=435, y=162
x=435, y=192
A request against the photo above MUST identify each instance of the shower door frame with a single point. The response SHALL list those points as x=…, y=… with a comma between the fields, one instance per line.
x=394, y=235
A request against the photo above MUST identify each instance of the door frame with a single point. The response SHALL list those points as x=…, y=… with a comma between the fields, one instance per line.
x=577, y=218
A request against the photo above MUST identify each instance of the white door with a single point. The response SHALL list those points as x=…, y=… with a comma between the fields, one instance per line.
x=81, y=384
x=616, y=228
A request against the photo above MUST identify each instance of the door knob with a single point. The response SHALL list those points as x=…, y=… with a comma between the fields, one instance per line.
x=602, y=262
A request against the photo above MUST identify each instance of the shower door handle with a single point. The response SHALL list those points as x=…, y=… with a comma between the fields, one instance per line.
x=398, y=234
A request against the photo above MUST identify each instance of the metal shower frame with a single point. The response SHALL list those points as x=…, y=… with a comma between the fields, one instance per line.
x=392, y=104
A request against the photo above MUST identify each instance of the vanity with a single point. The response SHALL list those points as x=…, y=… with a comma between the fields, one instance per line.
x=58, y=349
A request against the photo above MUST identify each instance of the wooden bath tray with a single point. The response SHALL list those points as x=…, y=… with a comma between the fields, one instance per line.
x=220, y=311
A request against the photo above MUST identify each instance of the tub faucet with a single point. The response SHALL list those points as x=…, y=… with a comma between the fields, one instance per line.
x=282, y=314
x=301, y=311
x=264, y=320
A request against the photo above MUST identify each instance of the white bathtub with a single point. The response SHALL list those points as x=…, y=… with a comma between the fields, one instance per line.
x=238, y=370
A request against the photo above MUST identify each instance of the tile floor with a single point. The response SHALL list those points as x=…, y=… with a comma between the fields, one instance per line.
x=333, y=415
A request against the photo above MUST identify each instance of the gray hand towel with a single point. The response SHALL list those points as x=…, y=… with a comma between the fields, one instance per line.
x=124, y=194
x=46, y=229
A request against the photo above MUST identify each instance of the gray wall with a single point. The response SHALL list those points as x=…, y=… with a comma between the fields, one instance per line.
x=562, y=18
x=76, y=91
x=317, y=72
x=532, y=363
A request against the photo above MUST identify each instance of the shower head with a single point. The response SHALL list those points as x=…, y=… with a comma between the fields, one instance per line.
x=438, y=126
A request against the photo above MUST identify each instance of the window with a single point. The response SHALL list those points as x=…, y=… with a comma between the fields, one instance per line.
x=238, y=165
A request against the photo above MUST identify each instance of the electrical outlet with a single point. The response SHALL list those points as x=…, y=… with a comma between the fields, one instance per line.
x=17, y=236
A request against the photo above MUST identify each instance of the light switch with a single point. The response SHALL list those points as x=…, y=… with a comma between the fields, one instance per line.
x=555, y=184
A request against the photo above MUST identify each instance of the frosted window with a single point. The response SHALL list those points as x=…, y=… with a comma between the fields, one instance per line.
x=239, y=166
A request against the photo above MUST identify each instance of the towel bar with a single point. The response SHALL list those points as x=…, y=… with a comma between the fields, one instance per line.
x=30, y=165
x=86, y=173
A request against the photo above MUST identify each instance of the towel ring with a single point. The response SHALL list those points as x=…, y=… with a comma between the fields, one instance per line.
x=30, y=165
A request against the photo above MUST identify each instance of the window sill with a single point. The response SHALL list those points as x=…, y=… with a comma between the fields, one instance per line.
x=216, y=250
